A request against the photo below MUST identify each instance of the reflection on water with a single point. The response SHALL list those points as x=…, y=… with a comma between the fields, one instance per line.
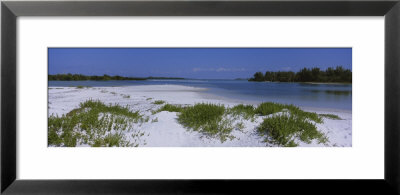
x=338, y=96
x=334, y=92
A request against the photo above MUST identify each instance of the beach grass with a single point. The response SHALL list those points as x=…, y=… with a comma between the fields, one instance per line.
x=171, y=108
x=330, y=116
x=96, y=124
x=247, y=111
x=267, y=108
x=281, y=129
x=158, y=102
x=109, y=140
x=284, y=129
x=208, y=119
x=293, y=122
x=301, y=114
x=93, y=123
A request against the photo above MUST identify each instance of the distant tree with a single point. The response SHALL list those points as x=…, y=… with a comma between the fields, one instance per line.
x=304, y=75
x=258, y=76
x=105, y=77
x=315, y=74
x=269, y=76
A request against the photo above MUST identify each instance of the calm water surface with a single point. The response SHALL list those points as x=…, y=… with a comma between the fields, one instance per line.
x=336, y=96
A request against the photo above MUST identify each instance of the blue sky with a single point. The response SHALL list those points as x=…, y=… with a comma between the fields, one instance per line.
x=207, y=63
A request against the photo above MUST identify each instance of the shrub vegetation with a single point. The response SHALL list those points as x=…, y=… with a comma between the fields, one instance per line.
x=246, y=111
x=94, y=124
x=282, y=126
x=267, y=108
x=208, y=119
x=285, y=128
x=158, y=102
x=331, y=116
x=171, y=108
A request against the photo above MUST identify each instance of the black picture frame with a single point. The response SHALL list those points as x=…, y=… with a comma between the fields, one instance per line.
x=11, y=10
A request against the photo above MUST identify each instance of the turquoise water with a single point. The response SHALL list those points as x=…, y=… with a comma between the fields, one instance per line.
x=336, y=96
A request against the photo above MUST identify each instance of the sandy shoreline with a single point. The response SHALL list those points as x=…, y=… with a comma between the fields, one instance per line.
x=166, y=131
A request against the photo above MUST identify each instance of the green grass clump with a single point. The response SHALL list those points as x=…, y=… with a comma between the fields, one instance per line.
x=171, y=108
x=331, y=116
x=208, y=119
x=158, y=102
x=109, y=140
x=299, y=113
x=98, y=106
x=94, y=124
x=267, y=108
x=247, y=111
x=284, y=129
x=213, y=120
x=293, y=122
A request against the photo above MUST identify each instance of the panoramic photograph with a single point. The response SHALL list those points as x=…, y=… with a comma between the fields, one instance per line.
x=199, y=97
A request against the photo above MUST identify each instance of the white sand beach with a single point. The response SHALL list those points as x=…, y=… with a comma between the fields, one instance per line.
x=163, y=130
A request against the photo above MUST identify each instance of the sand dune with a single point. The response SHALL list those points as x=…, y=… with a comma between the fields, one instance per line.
x=163, y=130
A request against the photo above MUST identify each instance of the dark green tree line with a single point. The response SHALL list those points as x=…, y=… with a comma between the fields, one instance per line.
x=105, y=77
x=80, y=77
x=336, y=75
